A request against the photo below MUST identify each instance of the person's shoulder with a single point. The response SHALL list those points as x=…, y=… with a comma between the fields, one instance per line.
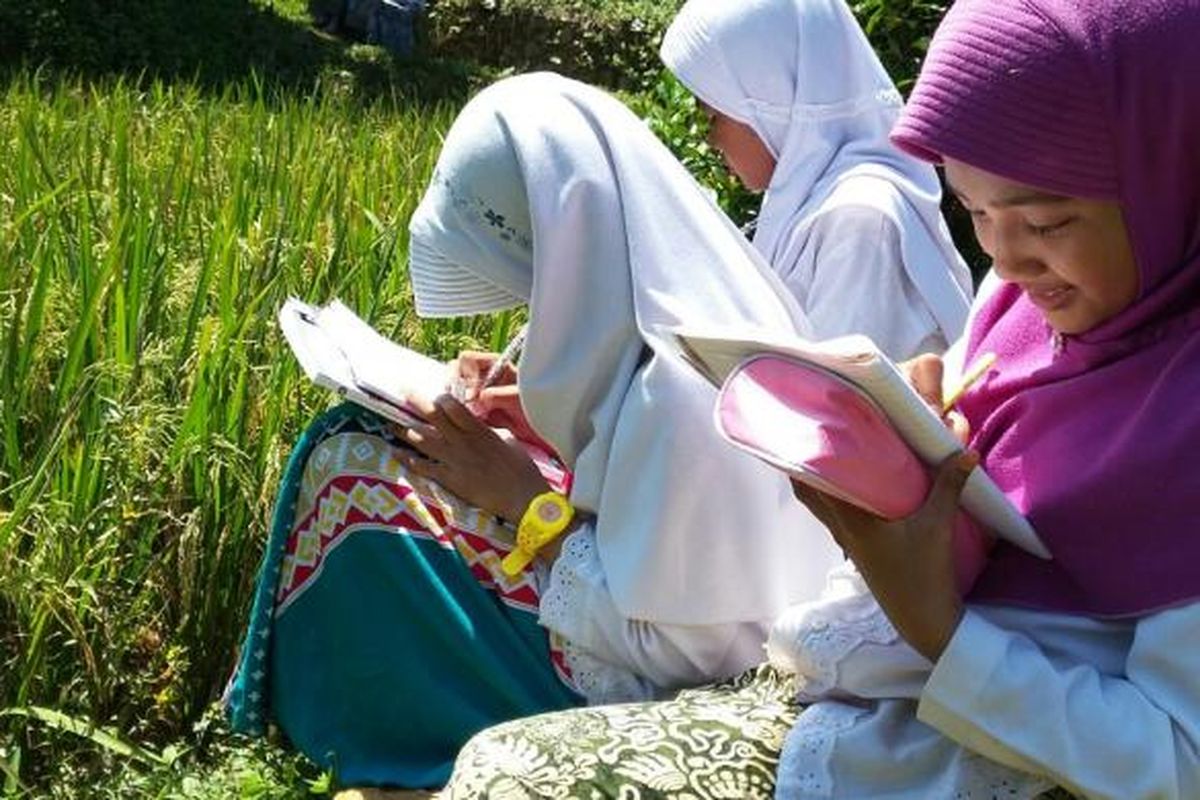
x=866, y=189
x=861, y=199
x=851, y=221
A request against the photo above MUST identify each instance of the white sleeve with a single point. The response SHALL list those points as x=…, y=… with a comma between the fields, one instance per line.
x=1128, y=736
x=576, y=604
x=848, y=274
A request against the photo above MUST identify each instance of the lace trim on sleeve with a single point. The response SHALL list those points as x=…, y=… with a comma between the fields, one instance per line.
x=563, y=609
x=812, y=639
x=807, y=751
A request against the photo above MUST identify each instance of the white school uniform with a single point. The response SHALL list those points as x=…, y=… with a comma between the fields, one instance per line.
x=852, y=225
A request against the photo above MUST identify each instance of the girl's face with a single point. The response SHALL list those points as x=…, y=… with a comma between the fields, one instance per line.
x=744, y=153
x=1071, y=256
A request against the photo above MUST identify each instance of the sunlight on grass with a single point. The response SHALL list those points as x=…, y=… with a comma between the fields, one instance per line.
x=148, y=236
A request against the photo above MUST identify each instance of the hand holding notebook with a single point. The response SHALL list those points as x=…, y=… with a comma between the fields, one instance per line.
x=340, y=351
x=840, y=416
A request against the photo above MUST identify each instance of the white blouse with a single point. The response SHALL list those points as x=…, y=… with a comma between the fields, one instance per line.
x=849, y=277
x=614, y=659
x=1019, y=702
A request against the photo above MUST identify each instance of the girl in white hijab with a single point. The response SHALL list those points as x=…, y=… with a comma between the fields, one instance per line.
x=391, y=634
x=801, y=107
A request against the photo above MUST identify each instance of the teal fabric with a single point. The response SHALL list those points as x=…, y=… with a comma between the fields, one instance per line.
x=393, y=658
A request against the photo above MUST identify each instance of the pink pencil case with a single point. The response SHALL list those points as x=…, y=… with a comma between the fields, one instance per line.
x=827, y=433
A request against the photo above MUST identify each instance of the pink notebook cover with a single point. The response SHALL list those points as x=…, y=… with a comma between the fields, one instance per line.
x=825, y=432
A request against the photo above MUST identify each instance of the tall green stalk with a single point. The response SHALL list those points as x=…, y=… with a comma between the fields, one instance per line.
x=147, y=237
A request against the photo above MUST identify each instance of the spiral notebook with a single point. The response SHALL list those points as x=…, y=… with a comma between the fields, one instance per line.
x=716, y=354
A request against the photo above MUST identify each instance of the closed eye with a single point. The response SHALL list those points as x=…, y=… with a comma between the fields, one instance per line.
x=1052, y=228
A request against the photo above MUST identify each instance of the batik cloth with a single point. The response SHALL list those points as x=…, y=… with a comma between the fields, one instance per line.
x=720, y=742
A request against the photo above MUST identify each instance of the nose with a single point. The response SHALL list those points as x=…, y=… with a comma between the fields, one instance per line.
x=1012, y=258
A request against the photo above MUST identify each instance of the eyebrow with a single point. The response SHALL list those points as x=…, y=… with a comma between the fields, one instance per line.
x=1032, y=197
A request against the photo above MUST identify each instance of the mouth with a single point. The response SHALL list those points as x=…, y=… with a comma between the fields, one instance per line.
x=1050, y=298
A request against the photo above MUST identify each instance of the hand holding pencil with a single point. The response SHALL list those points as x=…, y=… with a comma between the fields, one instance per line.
x=487, y=384
x=925, y=373
x=969, y=379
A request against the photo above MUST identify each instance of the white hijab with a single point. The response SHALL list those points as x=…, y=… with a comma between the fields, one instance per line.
x=802, y=74
x=551, y=191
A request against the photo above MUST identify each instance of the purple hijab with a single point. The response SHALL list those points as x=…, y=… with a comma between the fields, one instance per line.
x=1097, y=440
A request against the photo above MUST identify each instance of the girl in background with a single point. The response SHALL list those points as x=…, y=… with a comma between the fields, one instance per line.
x=800, y=106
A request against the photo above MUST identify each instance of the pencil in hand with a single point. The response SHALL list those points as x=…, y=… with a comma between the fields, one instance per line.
x=969, y=379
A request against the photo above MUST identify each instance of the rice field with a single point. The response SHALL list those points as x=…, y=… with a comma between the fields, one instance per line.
x=148, y=234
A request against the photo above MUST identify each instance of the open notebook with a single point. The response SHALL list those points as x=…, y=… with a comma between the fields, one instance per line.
x=717, y=354
x=339, y=351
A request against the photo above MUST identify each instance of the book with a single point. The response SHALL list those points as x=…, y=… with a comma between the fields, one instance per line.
x=716, y=354
x=338, y=350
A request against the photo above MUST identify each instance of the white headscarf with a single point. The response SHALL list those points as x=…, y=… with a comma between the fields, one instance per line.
x=802, y=74
x=550, y=190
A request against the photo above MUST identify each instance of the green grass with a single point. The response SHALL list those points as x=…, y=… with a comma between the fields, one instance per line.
x=147, y=235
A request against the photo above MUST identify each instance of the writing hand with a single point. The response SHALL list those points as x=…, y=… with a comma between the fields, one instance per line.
x=499, y=405
x=467, y=372
x=457, y=450
x=908, y=563
x=925, y=374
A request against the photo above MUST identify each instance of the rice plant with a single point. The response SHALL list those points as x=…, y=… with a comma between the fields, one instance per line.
x=148, y=234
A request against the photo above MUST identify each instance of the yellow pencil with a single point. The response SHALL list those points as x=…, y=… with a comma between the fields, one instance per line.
x=969, y=379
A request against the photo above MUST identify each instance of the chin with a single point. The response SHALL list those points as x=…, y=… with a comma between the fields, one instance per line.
x=1068, y=326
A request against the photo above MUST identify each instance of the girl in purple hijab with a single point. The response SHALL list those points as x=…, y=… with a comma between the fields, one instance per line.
x=1070, y=129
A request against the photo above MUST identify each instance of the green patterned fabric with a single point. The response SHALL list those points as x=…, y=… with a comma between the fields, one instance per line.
x=719, y=742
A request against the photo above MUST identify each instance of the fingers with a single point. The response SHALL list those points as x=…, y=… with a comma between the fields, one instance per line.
x=449, y=433
x=472, y=365
x=446, y=414
x=498, y=398
x=421, y=405
x=959, y=426
x=925, y=375
x=467, y=372
x=948, y=483
x=809, y=496
x=425, y=467
x=822, y=507
x=425, y=439
x=450, y=412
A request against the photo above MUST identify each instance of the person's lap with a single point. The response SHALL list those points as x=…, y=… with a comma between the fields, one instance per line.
x=722, y=741
x=392, y=635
